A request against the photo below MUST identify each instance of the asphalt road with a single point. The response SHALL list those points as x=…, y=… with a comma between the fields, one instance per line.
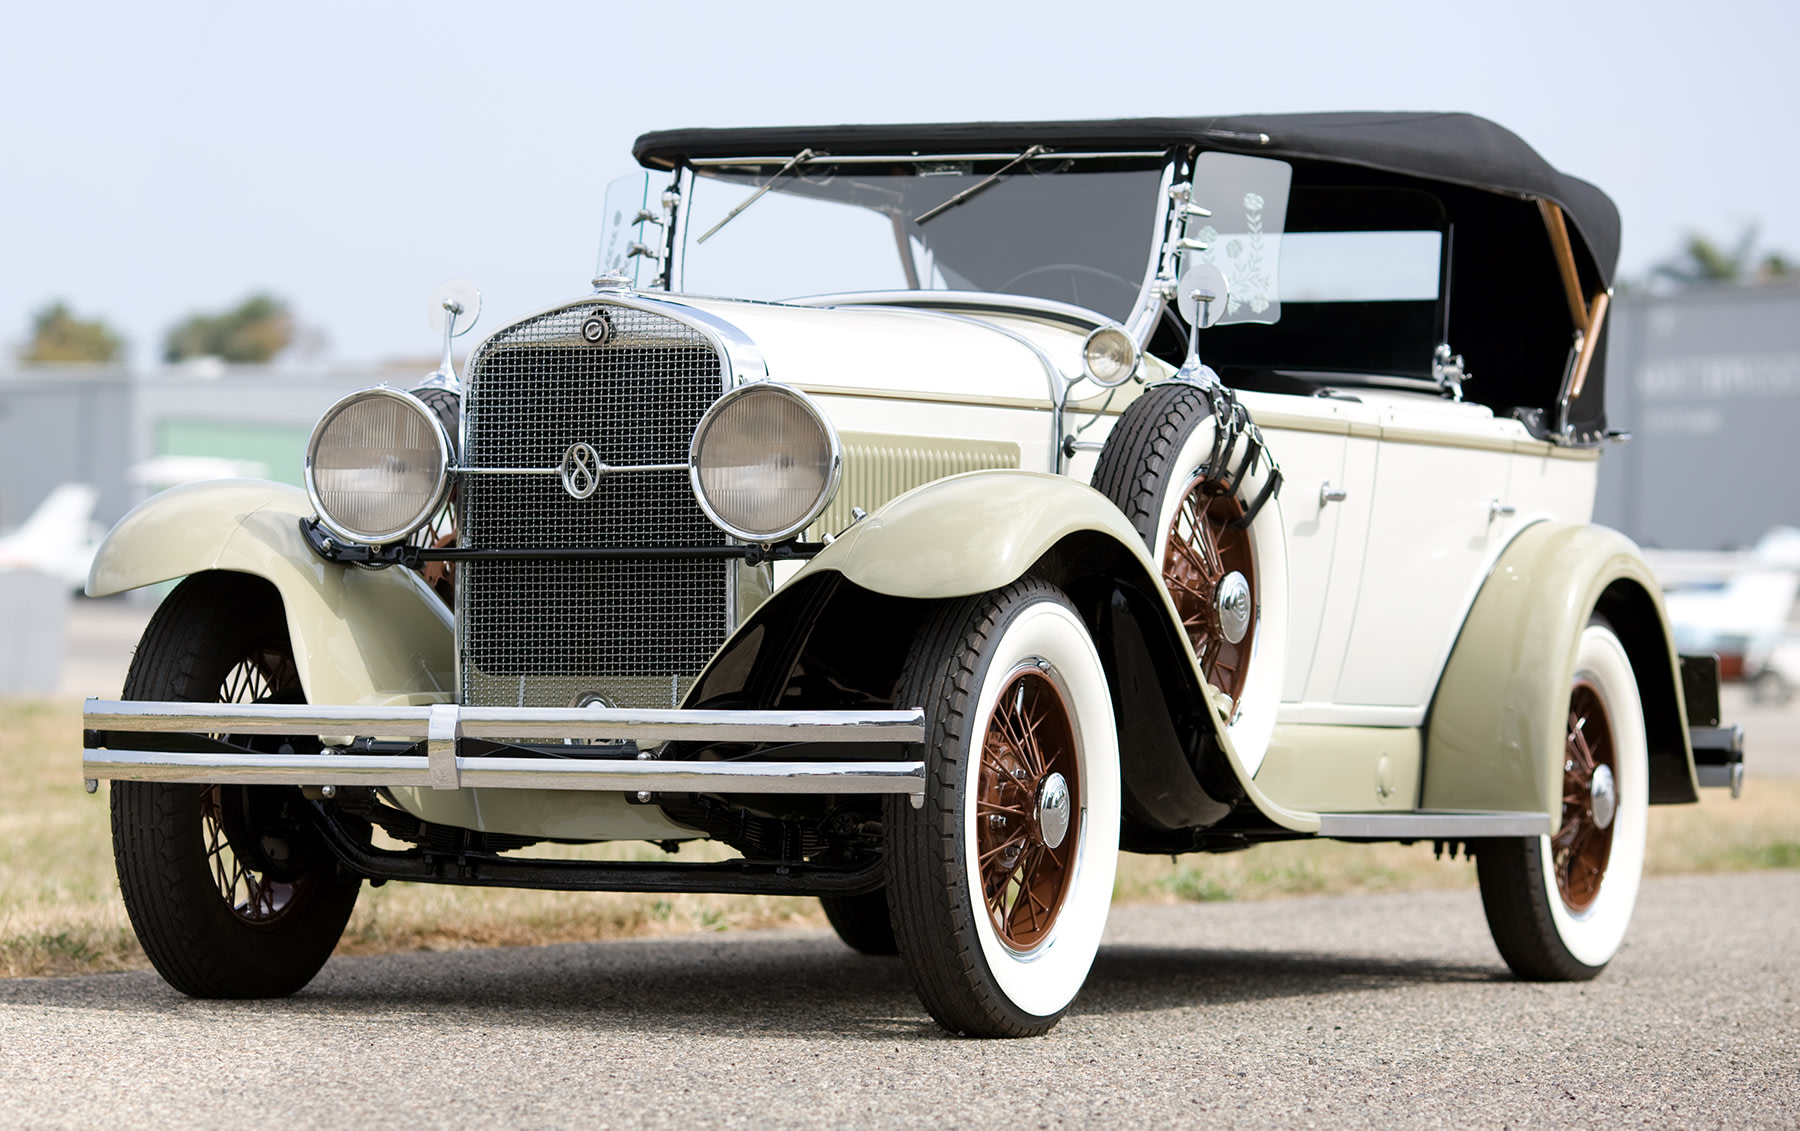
x=1359, y=1011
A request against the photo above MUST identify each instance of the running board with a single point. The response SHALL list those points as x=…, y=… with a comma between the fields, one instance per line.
x=1432, y=825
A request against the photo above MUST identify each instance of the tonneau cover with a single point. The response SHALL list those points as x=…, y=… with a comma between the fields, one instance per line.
x=1458, y=149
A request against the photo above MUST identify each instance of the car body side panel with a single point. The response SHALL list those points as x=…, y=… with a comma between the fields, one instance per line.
x=1337, y=769
x=360, y=636
x=1494, y=739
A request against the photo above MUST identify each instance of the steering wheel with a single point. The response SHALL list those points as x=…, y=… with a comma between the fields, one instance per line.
x=1071, y=274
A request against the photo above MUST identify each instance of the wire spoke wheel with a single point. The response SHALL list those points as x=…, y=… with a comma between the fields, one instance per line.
x=1583, y=845
x=255, y=898
x=998, y=884
x=229, y=887
x=1026, y=853
x=1209, y=570
x=1558, y=905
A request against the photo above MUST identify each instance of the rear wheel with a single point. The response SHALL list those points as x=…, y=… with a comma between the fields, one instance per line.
x=1000, y=884
x=1558, y=905
x=862, y=921
x=231, y=892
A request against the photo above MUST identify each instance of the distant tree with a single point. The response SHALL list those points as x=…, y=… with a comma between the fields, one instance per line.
x=252, y=332
x=1704, y=260
x=57, y=335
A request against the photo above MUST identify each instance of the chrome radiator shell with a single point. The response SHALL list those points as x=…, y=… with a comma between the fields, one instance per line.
x=633, y=633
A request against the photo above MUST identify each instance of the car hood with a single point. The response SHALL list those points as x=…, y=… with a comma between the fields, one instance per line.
x=907, y=350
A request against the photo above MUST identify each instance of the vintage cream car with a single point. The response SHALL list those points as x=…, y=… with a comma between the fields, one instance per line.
x=1164, y=486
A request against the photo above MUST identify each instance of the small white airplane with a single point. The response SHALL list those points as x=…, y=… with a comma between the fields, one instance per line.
x=58, y=539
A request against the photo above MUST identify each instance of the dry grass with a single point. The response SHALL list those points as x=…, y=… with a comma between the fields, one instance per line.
x=60, y=911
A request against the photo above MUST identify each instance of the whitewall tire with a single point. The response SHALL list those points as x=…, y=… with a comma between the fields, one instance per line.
x=1558, y=906
x=999, y=886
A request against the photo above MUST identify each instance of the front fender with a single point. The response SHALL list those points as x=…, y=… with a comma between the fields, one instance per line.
x=359, y=635
x=973, y=532
x=982, y=530
x=1494, y=740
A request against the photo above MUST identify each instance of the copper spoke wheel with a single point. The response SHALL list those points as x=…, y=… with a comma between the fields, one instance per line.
x=1000, y=878
x=1559, y=905
x=1027, y=808
x=1209, y=572
x=1583, y=845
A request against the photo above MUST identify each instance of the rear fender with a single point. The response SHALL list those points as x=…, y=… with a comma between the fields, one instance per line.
x=1494, y=739
x=360, y=636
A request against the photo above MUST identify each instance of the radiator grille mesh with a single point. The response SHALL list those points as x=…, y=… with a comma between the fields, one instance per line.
x=537, y=633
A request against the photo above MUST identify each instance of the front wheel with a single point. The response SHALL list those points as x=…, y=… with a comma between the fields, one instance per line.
x=1558, y=905
x=231, y=892
x=998, y=887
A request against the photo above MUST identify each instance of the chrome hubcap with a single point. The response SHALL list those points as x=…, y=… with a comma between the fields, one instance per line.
x=1053, y=810
x=1233, y=602
x=1606, y=796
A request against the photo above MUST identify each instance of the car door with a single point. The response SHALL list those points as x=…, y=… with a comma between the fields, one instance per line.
x=1439, y=517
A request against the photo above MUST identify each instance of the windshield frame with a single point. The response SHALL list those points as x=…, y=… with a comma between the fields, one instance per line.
x=1144, y=310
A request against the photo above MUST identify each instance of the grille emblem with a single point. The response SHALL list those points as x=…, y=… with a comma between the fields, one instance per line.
x=596, y=330
x=580, y=470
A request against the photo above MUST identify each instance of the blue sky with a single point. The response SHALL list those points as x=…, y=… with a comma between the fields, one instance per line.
x=163, y=158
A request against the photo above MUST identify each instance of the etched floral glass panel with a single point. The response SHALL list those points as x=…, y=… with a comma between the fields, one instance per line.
x=1248, y=198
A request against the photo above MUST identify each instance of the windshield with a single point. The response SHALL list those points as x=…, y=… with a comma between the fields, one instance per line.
x=1072, y=229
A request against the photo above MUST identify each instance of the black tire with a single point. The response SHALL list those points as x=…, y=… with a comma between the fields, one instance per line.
x=1553, y=917
x=1137, y=466
x=221, y=637
x=862, y=921
x=970, y=979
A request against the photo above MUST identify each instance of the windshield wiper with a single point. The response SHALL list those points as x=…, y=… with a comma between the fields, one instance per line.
x=975, y=188
x=799, y=158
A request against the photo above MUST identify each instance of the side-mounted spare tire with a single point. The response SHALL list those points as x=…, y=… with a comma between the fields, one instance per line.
x=1189, y=469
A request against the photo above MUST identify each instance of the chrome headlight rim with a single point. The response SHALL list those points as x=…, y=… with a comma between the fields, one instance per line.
x=833, y=477
x=439, y=495
x=1132, y=351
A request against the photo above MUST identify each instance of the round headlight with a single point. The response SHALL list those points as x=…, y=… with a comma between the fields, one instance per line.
x=377, y=466
x=764, y=462
x=1109, y=356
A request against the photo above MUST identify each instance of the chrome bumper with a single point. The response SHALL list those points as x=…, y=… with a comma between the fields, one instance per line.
x=441, y=727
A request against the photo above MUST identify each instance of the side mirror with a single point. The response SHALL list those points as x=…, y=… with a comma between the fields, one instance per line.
x=452, y=310
x=1203, y=295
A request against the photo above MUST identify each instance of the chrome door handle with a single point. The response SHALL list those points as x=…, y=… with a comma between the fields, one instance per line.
x=1330, y=494
x=1498, y=509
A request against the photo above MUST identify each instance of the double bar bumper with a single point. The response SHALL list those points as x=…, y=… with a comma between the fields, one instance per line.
x=112, y=724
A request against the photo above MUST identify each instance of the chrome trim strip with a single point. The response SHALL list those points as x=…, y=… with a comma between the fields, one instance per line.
x=907, y=778
x=1430, y=825
x=1141, y=322
x=507, y=722
x=890, y=158
x=964, y=302
x=604, y=469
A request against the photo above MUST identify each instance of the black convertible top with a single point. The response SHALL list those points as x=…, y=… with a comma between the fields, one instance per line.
x=1457, y=149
